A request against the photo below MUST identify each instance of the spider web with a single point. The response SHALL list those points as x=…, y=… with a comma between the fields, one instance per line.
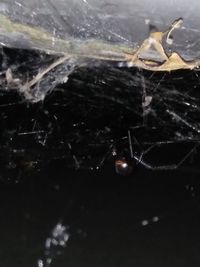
x=80, y=123
x=88, y=121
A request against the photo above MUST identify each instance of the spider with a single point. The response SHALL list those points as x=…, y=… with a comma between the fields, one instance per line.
x=125, y=162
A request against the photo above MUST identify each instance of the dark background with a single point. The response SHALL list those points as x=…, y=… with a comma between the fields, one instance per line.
x=105, y=214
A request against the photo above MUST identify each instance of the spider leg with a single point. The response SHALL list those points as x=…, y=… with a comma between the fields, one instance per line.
x=166, y=167
x=106, y=156
x=77, y=163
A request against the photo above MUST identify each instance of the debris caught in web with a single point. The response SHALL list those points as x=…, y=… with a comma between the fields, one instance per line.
x=77, y=47
x=64, y=98
x=89, y=121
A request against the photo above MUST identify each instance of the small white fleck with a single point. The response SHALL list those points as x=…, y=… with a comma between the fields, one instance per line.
x=18, y=4
x=169, y=41
x=114, y=152
x=62, y=243
x=121, y=64
x=147, y=101
x=65, y=79
x=66, y=237
x=49, y=260
x=130, y=64
x=124, y=165
x=155, y=219
x=144, y=222
x=54, y=241
x=48, y=243
x=40, y=263
x=151, y=40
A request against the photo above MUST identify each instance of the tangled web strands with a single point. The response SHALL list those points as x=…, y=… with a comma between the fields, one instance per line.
x=81, y=122
x=76, y=40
